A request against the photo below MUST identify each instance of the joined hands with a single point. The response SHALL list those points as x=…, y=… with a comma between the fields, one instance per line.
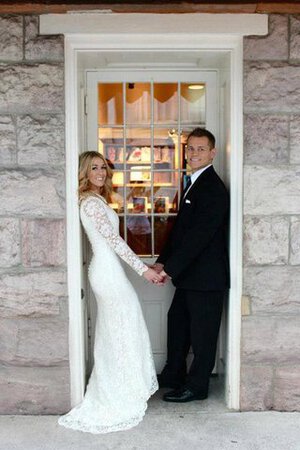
x=159, y=270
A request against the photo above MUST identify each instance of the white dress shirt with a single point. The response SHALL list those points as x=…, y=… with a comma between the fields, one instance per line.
x=195, y=175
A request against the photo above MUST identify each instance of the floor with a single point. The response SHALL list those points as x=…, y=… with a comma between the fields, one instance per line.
x=199, y=425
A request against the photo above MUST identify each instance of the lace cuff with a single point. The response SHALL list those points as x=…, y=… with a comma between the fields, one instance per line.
x=94, y=209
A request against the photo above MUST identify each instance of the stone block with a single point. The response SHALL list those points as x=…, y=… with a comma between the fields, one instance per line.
x=274, y=46
x=295, y=140
x=11, y=41
x=271, y=87
x=271, y=340
x=295, y=37
x=34, y=390
x=35, y=341
x=37, y=294
x=295, y=241
x=273, y=290
x=271, y=190
x=41, y=140
x=287, y=388
x=43, y=243
x=50, y=48
x=37, y=193
x=266, y=139
x=266, y=240
x=8, y=154
x=256, y=388
x=9, y=242
x=32, y=88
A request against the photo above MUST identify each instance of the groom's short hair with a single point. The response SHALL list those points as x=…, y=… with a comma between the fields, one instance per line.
x=202, y=132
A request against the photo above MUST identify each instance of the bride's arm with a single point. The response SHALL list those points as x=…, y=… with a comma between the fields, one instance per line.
x=95, y=210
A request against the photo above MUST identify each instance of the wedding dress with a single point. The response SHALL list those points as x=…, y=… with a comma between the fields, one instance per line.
x=123, y=377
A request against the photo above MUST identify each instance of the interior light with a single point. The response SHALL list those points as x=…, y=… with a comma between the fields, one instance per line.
x=196, y=86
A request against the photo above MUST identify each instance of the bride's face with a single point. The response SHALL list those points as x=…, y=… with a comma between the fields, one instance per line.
x=97, y=175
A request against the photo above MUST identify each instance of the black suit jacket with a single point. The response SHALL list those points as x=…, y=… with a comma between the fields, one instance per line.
x=195, y=255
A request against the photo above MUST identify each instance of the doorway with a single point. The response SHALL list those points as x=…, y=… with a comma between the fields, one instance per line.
x=139, y=120
x=226, y=60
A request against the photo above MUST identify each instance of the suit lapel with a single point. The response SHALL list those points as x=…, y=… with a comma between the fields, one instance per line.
x=195, y=186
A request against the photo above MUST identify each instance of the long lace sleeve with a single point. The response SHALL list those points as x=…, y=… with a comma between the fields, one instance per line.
x=95, y=210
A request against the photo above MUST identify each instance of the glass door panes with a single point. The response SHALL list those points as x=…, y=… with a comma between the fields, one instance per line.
x=192, y=103
x=142, y=128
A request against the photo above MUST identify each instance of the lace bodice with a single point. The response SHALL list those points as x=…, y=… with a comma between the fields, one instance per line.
x=106, y=222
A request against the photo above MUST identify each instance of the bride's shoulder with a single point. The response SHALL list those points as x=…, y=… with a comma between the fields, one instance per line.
x=87, y=199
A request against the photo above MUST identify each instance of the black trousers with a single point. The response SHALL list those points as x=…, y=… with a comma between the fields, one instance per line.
x=193, y=320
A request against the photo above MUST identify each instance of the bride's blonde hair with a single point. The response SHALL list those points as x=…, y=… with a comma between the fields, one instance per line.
x=84, y=170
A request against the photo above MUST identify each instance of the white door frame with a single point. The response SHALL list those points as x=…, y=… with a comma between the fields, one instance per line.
x=216, y=38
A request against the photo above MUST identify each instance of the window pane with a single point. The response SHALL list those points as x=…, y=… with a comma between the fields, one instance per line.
x=165, y=199
x=192, y=103
x=138, y=197
x=110, y=104
x=138, y=103
x=138, y=146
x=139, y=233
x=162, y=228
x=110, y=145
x=117, y=197
x=165, y=103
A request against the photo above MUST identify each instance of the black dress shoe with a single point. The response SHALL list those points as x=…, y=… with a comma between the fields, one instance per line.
x=183, y=395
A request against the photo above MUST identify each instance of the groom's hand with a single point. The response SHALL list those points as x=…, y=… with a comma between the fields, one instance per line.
x=158, y=267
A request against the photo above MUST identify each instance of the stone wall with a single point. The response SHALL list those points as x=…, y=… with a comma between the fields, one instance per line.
x=271, y=322
x=34, y=372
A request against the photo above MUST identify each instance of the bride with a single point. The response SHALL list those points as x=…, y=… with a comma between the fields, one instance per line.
x=123, y=377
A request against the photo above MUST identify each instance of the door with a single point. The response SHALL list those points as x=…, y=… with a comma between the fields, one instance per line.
x=139, y=121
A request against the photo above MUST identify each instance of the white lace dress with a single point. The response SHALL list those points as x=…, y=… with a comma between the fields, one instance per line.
x=123, y=377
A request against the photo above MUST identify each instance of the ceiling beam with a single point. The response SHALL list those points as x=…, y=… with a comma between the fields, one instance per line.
x=155, y=6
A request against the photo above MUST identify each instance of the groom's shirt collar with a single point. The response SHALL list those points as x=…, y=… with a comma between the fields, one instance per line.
x=195, y=175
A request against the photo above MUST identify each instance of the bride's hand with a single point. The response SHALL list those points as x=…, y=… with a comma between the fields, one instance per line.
x=153, y=276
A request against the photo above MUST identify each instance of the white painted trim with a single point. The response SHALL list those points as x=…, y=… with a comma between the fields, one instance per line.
x=73, y=46
x=74, y=258
x=234, y=24
x=236, y=230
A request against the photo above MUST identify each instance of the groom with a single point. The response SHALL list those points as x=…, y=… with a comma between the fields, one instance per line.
x=195, y=258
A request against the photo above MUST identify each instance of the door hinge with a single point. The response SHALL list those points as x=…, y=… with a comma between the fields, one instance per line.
x=85, y=105
x=89, y=328
x=82, y=294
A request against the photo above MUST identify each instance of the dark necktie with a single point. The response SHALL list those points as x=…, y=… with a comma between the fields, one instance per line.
x=188, y=184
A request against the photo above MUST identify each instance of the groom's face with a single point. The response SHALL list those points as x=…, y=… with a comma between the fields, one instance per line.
x=199, y=153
